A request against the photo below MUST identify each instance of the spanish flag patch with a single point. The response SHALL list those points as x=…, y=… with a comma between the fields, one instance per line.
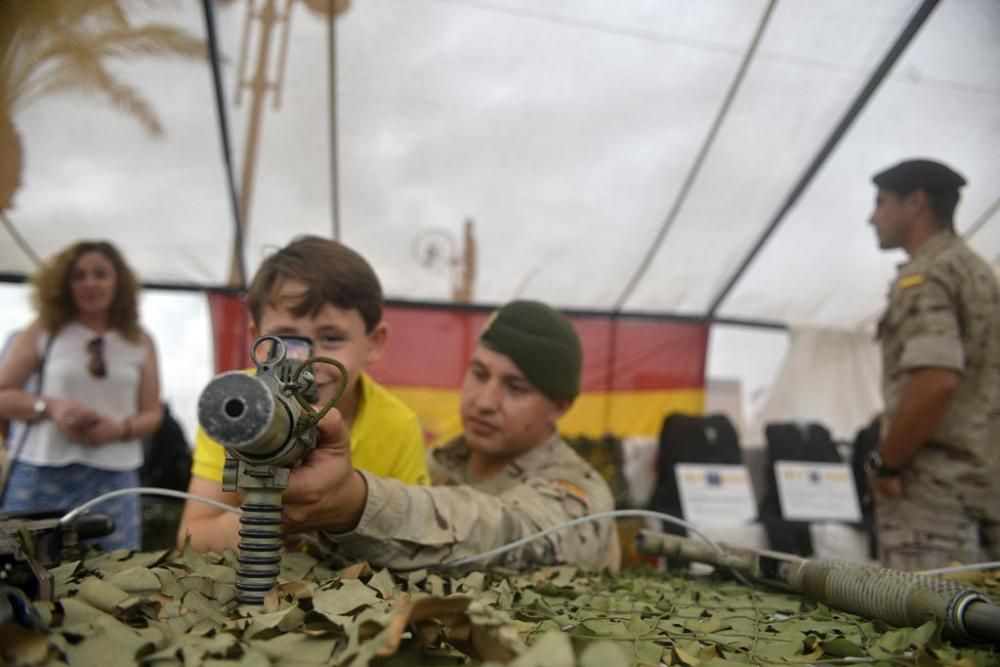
x=911, y=281
x=571, y=489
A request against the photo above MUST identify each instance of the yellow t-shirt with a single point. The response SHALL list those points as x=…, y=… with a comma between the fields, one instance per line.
x=386, y=440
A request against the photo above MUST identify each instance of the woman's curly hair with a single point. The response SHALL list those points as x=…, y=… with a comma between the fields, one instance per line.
x=53, y=298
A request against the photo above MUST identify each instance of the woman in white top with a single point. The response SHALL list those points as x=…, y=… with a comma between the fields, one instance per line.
x=99, y=391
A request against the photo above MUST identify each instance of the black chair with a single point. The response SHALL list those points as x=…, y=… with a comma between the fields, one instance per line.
x=866, y=440
x=809, y=442
x=167, y=464
x=690, y=439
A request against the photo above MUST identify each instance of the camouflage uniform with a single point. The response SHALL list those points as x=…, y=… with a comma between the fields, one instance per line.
x=411, y=527
x=944, y=312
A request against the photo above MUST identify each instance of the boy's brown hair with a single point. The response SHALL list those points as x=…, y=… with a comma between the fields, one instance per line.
x=332, y=273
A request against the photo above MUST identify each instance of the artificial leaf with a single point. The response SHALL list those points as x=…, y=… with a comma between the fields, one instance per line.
x=136, y=580
x=351, y=596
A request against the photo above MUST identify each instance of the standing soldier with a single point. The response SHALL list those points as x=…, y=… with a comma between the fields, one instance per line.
x=937, y=498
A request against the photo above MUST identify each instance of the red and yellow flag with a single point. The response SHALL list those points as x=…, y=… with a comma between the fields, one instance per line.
x=635, y=370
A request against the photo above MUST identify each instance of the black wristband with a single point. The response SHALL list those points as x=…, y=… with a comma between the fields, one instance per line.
x=876, y=467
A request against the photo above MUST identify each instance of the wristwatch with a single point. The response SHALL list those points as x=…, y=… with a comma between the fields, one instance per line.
x=40, y=407
x=876, y=467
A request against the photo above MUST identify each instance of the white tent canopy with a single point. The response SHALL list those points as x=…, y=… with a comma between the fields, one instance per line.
x=580, y=136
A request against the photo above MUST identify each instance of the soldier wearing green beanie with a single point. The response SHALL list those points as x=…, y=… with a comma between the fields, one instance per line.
x=509, y=475
x=541, y=342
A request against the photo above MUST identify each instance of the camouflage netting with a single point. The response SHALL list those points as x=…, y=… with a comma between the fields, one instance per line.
x=179, y=608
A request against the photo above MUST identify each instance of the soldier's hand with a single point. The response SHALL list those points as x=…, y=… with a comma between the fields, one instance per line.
x=325, y=492
x=888, y=486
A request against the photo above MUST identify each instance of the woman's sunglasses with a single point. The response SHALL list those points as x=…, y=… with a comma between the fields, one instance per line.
x=97, y=367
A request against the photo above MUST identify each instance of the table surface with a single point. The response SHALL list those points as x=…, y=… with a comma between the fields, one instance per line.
x=171, y=607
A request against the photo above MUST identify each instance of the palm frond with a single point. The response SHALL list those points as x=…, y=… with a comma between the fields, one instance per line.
x=154, y=40
x=21, y=61
x=28, y=16
x=88, y=75
x=61, y=45
x=128, y=100
x=59, y=80
x=24, y=74
x=96, y=14
x=29, y=29
x=67, y=16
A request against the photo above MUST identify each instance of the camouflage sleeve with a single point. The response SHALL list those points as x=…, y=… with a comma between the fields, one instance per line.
x=411, y=527
x=929, y=329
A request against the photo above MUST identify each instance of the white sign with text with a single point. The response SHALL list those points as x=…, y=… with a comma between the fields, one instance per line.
x=715, y=493
x=817, y=491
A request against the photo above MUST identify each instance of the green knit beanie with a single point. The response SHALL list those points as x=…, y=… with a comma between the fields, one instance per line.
x=541, y=342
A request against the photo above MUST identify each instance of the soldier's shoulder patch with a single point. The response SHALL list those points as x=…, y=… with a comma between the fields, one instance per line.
x=912, y=280
x=572, y=489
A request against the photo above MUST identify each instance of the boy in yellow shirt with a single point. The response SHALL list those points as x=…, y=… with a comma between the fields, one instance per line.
x=325, y=291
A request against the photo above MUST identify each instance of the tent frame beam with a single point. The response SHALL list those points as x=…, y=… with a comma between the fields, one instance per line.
x=226, y=143
x=914, y=25
x=331, y=47
x=699, y=160
x=19, y=278
x=583, y=312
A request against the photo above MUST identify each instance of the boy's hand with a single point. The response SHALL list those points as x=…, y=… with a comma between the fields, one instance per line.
x=325, y=492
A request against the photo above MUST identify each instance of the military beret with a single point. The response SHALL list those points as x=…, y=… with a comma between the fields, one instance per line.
x=926, y=175
x=541, y=342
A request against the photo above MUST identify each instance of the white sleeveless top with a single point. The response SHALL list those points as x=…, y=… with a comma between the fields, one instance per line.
x=115, y=395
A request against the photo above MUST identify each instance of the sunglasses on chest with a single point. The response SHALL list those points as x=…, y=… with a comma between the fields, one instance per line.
x=96, y=364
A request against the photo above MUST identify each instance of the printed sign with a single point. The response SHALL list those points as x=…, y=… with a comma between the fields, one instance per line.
x=715, y=493
x=817, y=491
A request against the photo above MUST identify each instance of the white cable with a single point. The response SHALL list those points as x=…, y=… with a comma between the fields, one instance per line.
x=975, y=567
x=148, y=490
x=650, y=514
